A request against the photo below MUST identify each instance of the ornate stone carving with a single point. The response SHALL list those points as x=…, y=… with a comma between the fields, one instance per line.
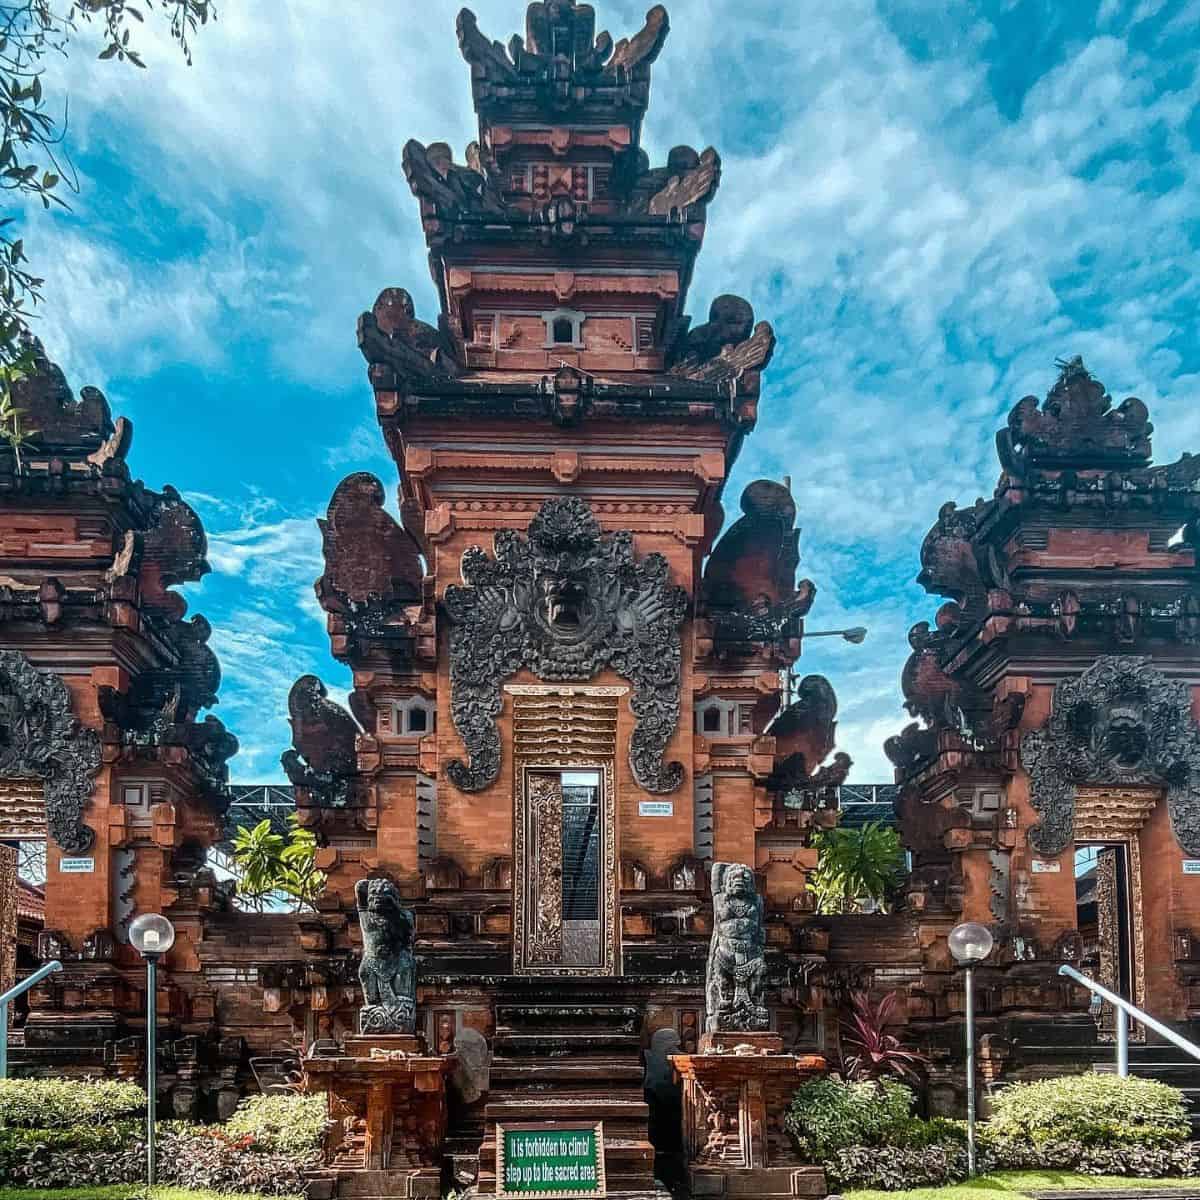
x=1121, y=722
x=565, y=602
x=561, y=63
x=728, y=345
x=323, y=734
x=1076, y=425
x=391, y=336
x=734, y=980
x=41, y=737
x=749, y=583
x=388, y=971
x=690, y=178
x=453, y=190
x=372, y=568
x=546, y=809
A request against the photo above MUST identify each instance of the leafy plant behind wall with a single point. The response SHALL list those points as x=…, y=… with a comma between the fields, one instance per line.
x=276, y=867
x=857, y=866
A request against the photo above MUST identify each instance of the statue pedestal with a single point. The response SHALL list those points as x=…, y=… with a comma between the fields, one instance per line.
x=737, y=1089
x=387, y=1102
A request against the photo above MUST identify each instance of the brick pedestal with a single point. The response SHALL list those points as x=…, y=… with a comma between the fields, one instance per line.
x=736, y=1091
x=387, y=1102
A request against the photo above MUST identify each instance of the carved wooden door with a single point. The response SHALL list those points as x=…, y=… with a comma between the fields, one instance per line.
x=1106, y=919
x=564, y=885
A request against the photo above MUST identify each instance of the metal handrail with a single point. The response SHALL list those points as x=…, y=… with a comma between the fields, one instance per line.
x=13, y=992
x=1136, y=1013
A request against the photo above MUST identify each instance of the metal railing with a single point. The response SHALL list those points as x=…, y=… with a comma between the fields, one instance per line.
x=1124, y=1010
x=12, y=993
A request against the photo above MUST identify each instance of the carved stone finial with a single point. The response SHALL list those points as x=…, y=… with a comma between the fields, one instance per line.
x=1122, y=722
x=323, y=734
x=388, y=971
x=41, y=738
x=1075, y=426
x=736, y=967
x=565, y=602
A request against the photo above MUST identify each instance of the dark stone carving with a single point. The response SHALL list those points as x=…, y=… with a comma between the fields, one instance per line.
x=749, y=584
x=48, y=406
x=911, y=747
x=561, y=63
x=372, y=568
x=391, y=336
x=565, y=602
x=691, y=179
x=1121, y=722
x=948, y=563
x=41, y=738
x=388, y=971
x=727, y=346
x=453, y=190
x=736, y=967
x=1076, y=425
x=323, y=734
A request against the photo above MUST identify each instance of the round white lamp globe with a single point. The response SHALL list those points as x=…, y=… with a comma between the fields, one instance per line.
x=970, y=943
x=151, y=934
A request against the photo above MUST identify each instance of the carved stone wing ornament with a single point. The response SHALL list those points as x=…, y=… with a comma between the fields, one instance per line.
x=41, y=738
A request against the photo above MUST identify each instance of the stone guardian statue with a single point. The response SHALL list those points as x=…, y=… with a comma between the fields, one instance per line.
x=388, y=971
x=734, y=982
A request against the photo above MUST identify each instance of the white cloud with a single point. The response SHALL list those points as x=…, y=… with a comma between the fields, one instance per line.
x=923, y=257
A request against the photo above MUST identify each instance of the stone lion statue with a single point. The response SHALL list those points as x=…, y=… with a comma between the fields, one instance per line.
x=388, y=971
x=734, y=982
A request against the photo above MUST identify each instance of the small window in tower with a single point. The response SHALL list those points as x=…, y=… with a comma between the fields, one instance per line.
x=418, y=720
x=601, y=178
x=564, y=327
x=518, y=180
x=564, y=331
x=712, y=720
x=644, y=330
x=483, y=332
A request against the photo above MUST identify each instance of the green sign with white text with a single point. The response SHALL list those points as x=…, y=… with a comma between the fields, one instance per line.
x=551, y=1160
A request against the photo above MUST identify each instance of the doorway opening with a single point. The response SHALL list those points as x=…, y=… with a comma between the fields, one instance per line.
x=1104, y=913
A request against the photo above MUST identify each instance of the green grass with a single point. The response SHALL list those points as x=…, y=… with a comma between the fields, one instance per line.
x=125, y=1191
x=1005, y=1184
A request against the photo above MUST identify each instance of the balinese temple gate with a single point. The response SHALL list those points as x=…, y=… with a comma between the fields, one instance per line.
x=567, y=820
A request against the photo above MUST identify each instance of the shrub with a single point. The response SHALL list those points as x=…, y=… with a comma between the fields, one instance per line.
x=901, y=1168
x=287, y=1124
x=828, y=1114
x=207, y=1158
x=61, y=1103
x=869, y=1050
x=1095, y=1110
x=1151, y=1162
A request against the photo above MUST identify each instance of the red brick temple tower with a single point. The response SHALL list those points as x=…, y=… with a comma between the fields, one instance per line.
x=567, y=701
x=103, y=758
x=1051, y=787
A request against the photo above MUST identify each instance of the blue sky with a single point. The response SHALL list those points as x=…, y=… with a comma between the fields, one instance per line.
x=931, y=201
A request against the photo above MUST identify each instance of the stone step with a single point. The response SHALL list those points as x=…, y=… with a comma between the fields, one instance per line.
x=560, y=1045
x=597, y=1072
x=604, y=1108
x=622, y=1018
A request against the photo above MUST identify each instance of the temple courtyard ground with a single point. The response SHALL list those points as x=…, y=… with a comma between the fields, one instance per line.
x=1003, y=1185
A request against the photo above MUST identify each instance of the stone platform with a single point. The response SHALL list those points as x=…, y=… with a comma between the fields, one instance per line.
x=737, y=1088
x=387, y=1102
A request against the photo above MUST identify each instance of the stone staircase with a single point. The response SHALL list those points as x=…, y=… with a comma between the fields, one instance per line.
x=562, y=1053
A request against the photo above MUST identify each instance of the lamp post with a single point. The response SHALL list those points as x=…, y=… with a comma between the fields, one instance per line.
x=970, y=943
x=152, y=936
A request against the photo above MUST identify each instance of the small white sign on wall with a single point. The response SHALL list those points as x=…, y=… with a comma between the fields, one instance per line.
x=1042, y=867
x=1191, y=866
x=77, y=866
x=656, y=808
